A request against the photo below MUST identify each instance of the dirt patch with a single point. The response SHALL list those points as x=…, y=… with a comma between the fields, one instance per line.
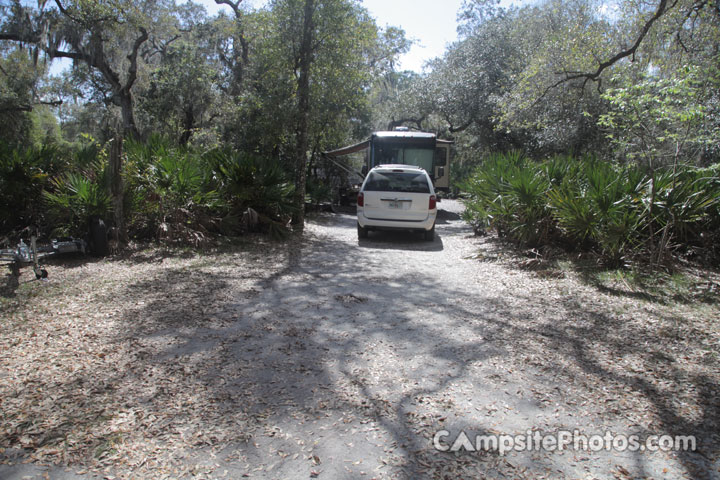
x=342, y=359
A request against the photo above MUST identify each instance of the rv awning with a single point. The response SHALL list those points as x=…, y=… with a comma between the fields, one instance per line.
x=358, y=147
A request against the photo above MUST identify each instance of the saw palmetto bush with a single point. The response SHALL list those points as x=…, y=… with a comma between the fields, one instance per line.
x=508, y=194
x=82, y=192
x=600, y=205
x=620, y=211
x=488, y=188
x=683, y=202
x=172, y=193
x=181, y=195
x=530, y=221
x=710, y=237
x=74, y=198
x=258, y=184
x=24, y=174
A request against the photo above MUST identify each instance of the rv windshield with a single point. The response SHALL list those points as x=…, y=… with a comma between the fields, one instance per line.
x=394, y=154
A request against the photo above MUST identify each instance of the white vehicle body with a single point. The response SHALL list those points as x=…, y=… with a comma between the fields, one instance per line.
x=397, y=197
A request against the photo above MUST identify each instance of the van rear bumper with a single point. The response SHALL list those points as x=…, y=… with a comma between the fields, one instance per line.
x=389, y=224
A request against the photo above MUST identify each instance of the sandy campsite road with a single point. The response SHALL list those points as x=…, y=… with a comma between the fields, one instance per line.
x=341, y=359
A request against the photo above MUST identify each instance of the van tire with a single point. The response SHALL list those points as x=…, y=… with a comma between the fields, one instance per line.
x=362, y=232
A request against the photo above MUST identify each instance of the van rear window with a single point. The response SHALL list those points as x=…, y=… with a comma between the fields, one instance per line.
x=397, y=182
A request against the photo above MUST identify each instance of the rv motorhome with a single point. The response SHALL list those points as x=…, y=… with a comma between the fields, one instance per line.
x=405, y=147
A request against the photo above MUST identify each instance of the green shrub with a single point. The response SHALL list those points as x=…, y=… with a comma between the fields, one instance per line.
x=24, y=174
x=318, y=191
x=682, y=202
x=81, y=192
x=73, y=200
x=599, y=205
x=488, y=189
x=172, y=193
x=251, y=182
x=508, y=193
x=619, y=211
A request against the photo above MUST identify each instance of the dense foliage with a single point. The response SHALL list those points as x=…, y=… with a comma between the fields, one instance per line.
x=628, y=81
x=175, y=124
x=621, y=211
x=173, y=193
x=632, y=85
x=206, y=124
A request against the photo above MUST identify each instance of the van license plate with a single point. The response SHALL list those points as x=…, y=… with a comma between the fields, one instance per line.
x=394, y=205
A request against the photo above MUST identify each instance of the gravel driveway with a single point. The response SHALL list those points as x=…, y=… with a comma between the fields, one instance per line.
x=342, y=359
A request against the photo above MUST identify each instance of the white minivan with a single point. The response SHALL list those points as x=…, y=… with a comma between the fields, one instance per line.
x=397, y=197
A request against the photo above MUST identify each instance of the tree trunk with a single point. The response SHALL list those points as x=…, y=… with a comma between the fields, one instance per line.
x=117, y=187
x=303, y=116
x=126, y=107
x=188, y=124
x=241, y=48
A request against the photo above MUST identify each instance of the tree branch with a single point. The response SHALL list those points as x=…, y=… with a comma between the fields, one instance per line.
x=108, y=18
x=29, y=108
x=662, y=8
x=461, y=128
x=71, y=55
x=29, y=37
x=51, y=103
x=399, y=122
x=17, y=108
x=132, y=71
x=234, y=5
x=64, y=11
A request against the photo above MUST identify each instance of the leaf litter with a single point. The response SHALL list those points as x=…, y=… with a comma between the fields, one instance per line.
x=254, y=362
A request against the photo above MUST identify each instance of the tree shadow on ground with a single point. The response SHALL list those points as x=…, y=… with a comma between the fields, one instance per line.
x=445, y=217
x=295, y=349
x=640, y=283
x=304, y=337
x=10, y=284
x=322, y=360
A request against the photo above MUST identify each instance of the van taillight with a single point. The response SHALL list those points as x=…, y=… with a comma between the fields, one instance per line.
x=433, y=202
x=361, y=200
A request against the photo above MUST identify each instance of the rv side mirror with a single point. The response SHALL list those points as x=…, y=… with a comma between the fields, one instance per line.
x=441, y=172
x=440, y=157
x=364, y=170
